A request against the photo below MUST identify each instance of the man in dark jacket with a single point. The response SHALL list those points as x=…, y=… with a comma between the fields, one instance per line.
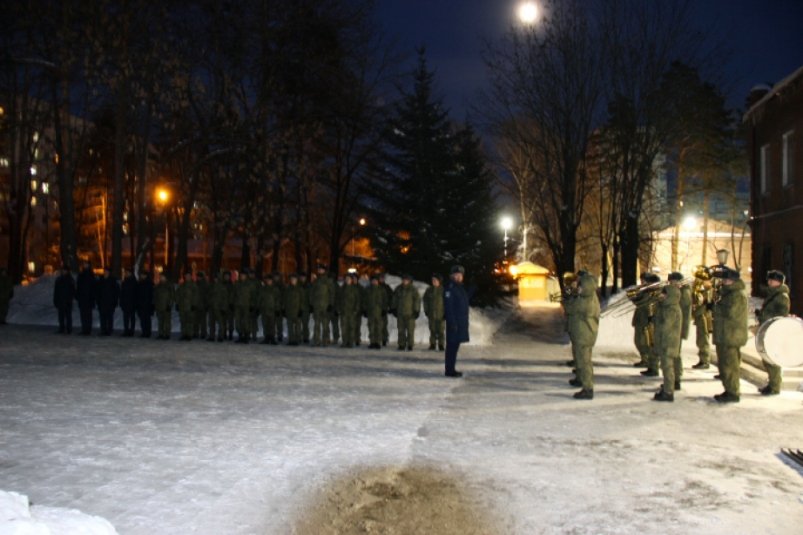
x=6, y=293
x=63, y=295
x=433, y=308
x=128, y=302
x=455, y=305
x=108, y=299
x=86, y=294
x=145, y=303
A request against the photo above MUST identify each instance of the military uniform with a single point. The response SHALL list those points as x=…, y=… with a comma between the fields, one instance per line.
x=243, y=292
x=334, y=316
x=703, y=320
x=186, y=300
x=145, y=303
x=389, y=304
x=163, y=299
x=269, y=305
x=582, y=313
x=407, y=307
x=433, y=308
x=219, y=307
x=349, y=307
x=63, y=295
x=292, y=298
x=6, y=293
x=322, y=299
x=730, y=334
x=376, y=306
x=128, y=303
x=108, y=299
x=456, y=313
x=277, y=283
x=86, y=295
x=668, y=326
x=776, y=304
x=199, y=325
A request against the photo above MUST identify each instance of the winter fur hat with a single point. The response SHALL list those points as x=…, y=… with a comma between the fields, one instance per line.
x=458, y=269
x=675, y=276
x=775, y=275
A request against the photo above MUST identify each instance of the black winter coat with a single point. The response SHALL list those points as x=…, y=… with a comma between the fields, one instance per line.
x=108, y=294
x=64, y=291
x=145, y=296
x=128, y=294
x=86, y=289
x=455, y=304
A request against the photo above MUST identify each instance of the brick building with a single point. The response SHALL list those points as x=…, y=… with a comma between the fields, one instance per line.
x=774, y=127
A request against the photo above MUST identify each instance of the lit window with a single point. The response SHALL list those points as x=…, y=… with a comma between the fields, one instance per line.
x=786, y=158
x=33, y=170
x=764, y=167
x=33, y=201
x=45, y=187
x=4, y=162
x=33, y=185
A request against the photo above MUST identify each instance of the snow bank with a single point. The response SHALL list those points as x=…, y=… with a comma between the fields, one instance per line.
x=33, y=305
x=18, y=517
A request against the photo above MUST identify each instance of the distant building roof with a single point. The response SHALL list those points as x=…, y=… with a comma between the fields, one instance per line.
x=776, y=91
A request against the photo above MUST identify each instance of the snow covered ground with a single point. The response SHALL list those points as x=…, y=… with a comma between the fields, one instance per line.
x=207, y=438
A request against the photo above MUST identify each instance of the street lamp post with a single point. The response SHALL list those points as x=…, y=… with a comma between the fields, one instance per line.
x=506, y=223
x=163, y=197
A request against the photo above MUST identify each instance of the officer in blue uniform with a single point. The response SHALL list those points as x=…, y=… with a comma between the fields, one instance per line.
x=455, y=301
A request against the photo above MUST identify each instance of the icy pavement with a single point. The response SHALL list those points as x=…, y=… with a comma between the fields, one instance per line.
x=208, y=438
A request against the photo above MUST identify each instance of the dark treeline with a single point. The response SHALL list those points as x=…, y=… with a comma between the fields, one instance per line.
x=267, y=122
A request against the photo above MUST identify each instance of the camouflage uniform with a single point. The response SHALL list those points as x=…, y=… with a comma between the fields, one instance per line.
x=582, y=312
x=776, y=304
x=243, y=291
x=305, y=306
x=433, y=308
x=407, y=304
x=219, y=302
x=269, y=305
x=349, y=307
x=163, y=299
x=292, y=299
x=186, y=301
x=376, y=306
x=199, y=325
x=730, y=334
x=668, y=325
x=322, y=299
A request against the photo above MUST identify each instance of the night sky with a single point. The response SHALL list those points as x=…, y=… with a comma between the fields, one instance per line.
x=764, y=36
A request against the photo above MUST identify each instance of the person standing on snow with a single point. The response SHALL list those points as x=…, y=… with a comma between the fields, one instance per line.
x=730, y=333
x=455, y=306
x=433, y=308
x=86, y=294
x=582, y=312
x=128, y=302
x=776, y=304
x=63, y=295
x=6, y=293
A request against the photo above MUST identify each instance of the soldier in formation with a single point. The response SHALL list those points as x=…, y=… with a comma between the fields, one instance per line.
x=322, y=301
x=292, y=298
x=128, y=302
x=376, y=307
x=164, y=298
x=349, y=310
x=108, y=297
x=63, y=296
x=433, y=308
x=186, y=299
x=702, y=304
x=776, y=304
x=85, y=294
x=145, y=303
x=406, y=306
x=668, y=328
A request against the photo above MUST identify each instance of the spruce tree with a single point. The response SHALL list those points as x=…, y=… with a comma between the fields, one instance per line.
x=434, y=206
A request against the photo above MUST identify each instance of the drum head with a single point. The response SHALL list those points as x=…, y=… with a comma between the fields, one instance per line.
x=780, y=340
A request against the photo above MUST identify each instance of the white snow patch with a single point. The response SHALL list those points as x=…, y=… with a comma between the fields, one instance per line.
x=18, y=517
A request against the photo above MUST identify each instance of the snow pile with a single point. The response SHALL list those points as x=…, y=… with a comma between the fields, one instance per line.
x=18, y=517
x=33, y=305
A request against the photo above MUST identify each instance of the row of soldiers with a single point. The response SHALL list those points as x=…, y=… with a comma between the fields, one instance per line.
x=215, y=309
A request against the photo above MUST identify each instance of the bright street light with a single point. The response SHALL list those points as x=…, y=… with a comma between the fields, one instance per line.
x=506, y=223
x=527, y=12
x=690, y=222
x=162, y=195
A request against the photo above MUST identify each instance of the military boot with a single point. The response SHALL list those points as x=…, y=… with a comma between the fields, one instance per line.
x=584, y=394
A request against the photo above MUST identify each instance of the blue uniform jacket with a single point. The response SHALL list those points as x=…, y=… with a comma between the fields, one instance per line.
x=455, y=303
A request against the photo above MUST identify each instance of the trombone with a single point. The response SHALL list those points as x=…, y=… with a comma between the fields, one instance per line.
x=648, y=293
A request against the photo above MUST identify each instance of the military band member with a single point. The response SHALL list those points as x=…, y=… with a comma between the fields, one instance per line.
x=582, y=313
x=668, y=328
x=322, y=300
x=776, y=304
x=730, y=332
x=219, y=305
x=643, y=328
x=388, y=303
x=702, y=303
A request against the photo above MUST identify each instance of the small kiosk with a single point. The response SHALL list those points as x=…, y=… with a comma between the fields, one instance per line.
x=533, y=283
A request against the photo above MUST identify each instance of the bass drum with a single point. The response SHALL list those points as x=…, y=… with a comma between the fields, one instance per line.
x=780, y=341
